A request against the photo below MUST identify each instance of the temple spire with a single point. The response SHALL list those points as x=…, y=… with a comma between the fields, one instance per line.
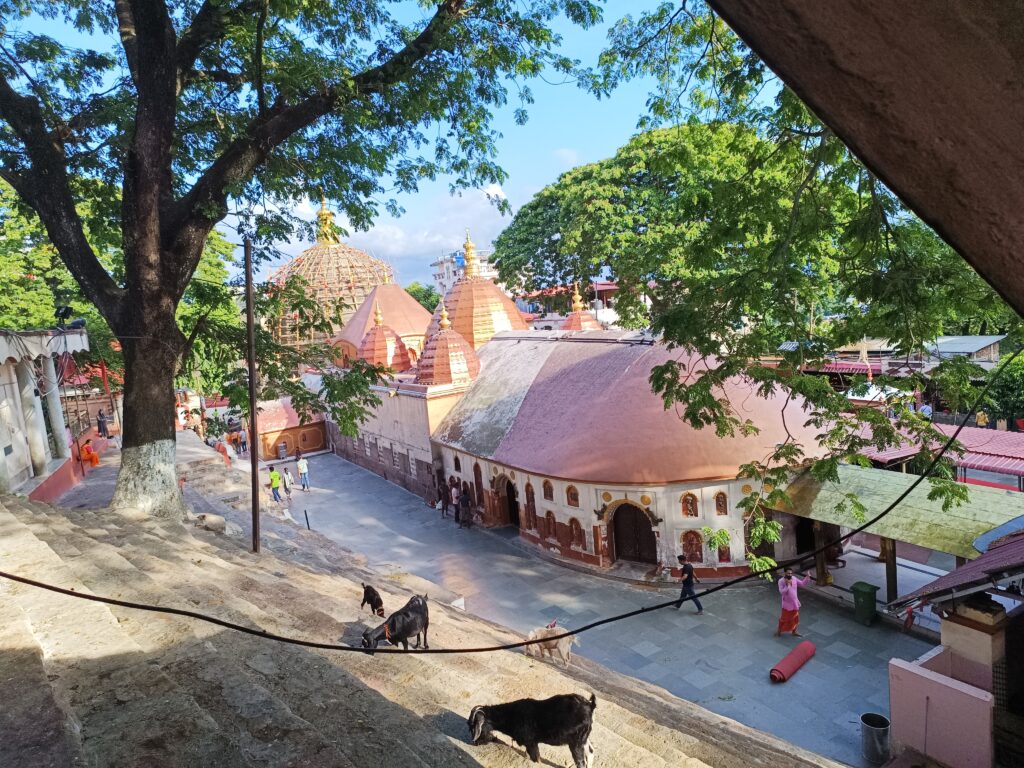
x=326, y=231
x=577, y=300
x=469, y=250
x=378, y=316
x=444, y=324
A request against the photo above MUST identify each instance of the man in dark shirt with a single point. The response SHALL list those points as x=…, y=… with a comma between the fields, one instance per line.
x=687, y=592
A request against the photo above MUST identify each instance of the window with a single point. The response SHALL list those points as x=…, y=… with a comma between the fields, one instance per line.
x=396, y=461
x=721, y=504
x=380, y=453
x=724, y=554
x=689, y=504
x=693, y=546
x=549, y=490
x=572, y=496
x=550, y=527
x=458, y=464
x=576, y=535
x=479, y=478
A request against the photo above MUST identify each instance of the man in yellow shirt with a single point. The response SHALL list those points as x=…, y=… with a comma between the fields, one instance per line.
x=275, y=484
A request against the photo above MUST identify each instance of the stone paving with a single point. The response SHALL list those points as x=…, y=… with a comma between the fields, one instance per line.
x=719, y=660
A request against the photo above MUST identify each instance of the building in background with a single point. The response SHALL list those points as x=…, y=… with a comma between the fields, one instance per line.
x=34, y=444
x=452, y=266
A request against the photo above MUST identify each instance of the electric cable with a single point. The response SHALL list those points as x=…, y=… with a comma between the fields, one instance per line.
x=524, y=643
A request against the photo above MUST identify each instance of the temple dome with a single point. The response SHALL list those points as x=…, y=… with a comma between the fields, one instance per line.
x=382, y=346
x=334, y=272
x=405, y=316
x=476, y=306
x=447, y=358
x=579, y=319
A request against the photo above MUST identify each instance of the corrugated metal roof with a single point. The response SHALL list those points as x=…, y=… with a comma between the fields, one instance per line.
x=917, y=519
x=962, y=345
x=1005, y=560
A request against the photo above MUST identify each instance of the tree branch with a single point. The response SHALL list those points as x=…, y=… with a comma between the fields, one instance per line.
x=129, y=40
x=206, y=202
x=45, y=186
x=208, y=26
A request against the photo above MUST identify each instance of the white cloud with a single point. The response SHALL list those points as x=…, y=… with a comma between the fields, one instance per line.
x=567, y=157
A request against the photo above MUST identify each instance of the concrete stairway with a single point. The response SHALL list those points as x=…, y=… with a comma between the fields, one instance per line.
x=88, y=684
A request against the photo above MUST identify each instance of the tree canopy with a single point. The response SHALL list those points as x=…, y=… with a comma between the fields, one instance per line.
x=149, y=121
x=737, y=223
x=424, y=294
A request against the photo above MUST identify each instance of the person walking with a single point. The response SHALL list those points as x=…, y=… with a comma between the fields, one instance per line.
x=287, y=481
x=275, y=483
x=789, y=621
x=243, y=441
x=101, y=424
x=302, y=467
x=464, y=519
x=687, y=591
x=982, y=420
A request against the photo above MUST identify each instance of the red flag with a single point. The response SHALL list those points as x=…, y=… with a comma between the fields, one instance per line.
x=103, y=376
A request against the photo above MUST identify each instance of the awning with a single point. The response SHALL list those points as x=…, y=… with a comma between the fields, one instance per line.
x=1001, y=562
x=916, y=520
x=1003, y=464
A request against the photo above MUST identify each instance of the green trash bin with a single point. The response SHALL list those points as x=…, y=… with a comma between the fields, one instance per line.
x=864, y=602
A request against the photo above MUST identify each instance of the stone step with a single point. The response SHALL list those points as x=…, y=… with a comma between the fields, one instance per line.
x=36, y=732
x=305, y=671
x=268, y=733
x=127, y=710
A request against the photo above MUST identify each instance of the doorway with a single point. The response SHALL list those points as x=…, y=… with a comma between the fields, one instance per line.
x=511, y=503
x=633, y=536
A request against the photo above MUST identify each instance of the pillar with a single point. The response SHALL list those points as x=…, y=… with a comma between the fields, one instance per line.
x=55, y=409
x=888, y=547
x=820, y=561
x=32, y=409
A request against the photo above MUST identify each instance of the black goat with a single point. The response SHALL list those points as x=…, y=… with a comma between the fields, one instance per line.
x=412, y=619
x=560, y=720
x=372, y=598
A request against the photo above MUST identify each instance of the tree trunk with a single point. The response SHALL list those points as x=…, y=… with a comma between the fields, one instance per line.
x=148, y=480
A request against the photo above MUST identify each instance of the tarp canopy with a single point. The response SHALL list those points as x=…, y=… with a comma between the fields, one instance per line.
x=915, y=520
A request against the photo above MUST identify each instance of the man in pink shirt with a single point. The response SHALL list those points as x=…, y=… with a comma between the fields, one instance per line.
x=790, y=619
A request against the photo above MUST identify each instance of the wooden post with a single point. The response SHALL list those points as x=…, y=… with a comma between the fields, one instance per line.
x=888, y=547
x=820, y=562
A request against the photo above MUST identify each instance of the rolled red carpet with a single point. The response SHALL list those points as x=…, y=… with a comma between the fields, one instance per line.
x=795, y=659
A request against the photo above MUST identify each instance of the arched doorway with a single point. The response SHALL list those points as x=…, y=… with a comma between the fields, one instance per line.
x=632, y=535
x=509, y=502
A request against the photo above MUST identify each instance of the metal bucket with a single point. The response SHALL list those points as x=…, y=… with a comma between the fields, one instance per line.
x=874, y=737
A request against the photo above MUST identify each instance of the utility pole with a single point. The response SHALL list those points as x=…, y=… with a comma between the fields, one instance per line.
x=250, y=354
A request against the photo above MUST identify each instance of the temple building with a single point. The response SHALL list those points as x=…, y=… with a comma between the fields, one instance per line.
x=478, y=308
x=562, y=437
x=337, y=275
x=522, y=421
x=405, y=316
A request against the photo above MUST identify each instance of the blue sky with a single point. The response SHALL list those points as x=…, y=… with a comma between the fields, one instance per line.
x=566, y=127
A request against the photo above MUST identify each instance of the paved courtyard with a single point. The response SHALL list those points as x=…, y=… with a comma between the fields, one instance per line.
x=719, y=660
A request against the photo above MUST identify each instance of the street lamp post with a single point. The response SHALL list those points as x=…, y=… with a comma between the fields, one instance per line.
x=250, y=328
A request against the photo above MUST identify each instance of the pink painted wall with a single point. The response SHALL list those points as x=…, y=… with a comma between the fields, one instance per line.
x=945, y=719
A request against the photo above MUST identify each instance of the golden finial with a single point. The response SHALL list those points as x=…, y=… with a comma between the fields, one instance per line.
x=387, y=277
x=577, y=300
x=444, y=325
x=326, y=232
x=378, y=316
x=472, y=266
